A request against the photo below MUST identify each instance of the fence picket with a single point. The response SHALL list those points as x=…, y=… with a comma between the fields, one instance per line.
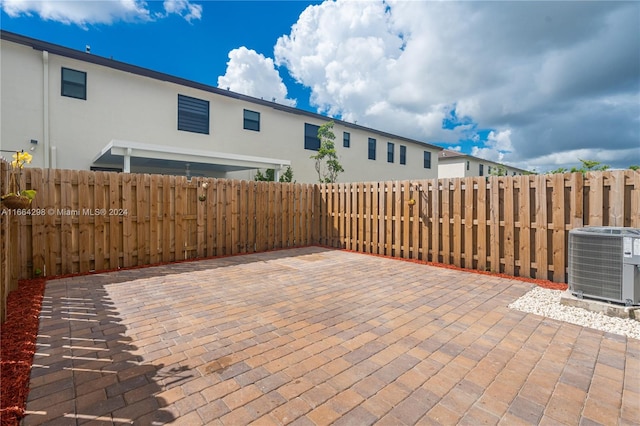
x=457, y=233
x=468, y=222
x=508, y=239
x=525, y=247
x=446, y=221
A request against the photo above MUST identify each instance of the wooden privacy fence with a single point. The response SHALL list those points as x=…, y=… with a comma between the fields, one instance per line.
x=82, y=221
x=8, y=247
x=514, y=225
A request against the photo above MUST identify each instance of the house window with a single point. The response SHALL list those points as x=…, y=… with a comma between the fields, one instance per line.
x=390, y=149
x=481, y=170
x=193, y=115
x=251, y=120
x=372, y=149
x=403, y=154
x=467, y=164
x=346, y=139
x=311, y=139
x=489, y=169
x=74, y=83
x=427, y=160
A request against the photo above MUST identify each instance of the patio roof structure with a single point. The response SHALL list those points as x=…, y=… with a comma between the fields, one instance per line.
x=142, y=156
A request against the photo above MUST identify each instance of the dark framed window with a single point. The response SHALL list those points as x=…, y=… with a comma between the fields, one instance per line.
x=193, y=115
x=403, y=154
x=390, y=149
x=427, y=160
x=481, y=170
x=346, y=139
x=489, y=169
x=74, y=83
x=251, y=120
x=467, y=164
x=372, y=149
x=311, y=139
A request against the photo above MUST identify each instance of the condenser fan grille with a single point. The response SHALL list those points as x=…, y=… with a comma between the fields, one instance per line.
x=595, y=265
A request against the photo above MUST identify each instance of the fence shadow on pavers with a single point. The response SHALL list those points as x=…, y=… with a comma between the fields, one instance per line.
x=87, y=367
x=99, y=358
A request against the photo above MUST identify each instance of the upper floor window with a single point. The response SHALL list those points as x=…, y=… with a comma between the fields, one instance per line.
x=346, y=139
x=311, y=139
x=403, y=154
x=481, y=170
x=251, y=120
x=427, y=160
x=390, y=149
x=467, y=164
x=193, y=115
x=372, y=149
x=74, y=83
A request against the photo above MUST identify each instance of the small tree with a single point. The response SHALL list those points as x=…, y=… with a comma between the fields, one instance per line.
x=590, y=166
x=558, y=170
x=327, y=164
x=287, y=176
x=634, y=167
x=498, y=171
x=270, y=175
x=587, y=166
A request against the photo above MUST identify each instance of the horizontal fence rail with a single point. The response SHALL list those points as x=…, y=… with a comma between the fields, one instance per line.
x=517, y=225
x=83, y=221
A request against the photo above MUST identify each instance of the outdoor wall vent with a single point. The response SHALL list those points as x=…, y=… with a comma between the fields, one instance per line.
x=604, y=263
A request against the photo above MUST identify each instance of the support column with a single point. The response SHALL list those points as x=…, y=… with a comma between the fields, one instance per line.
x=127, y=161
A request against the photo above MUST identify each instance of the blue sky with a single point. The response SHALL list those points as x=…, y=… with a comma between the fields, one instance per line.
x=537, y=85
x=196, y=50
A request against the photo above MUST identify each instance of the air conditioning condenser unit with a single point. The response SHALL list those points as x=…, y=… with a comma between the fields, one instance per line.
x=604, y=263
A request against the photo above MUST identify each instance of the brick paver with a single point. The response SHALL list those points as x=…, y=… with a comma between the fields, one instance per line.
x=314, y=336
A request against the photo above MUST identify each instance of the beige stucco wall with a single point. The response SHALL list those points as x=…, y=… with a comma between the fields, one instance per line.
x=451, y=170
x=130, y=107
x=21, y=91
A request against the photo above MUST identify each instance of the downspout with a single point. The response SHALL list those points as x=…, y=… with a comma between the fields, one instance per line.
x=45, y=108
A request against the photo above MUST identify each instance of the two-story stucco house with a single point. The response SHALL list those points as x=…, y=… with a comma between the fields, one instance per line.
x=454, y=164
x=76, y=110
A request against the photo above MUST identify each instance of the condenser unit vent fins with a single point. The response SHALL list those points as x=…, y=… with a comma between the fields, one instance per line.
x=595, y=265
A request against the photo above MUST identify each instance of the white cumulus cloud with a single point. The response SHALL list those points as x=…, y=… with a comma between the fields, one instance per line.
x=251, y=73
x=90, y=12
x=189, y=11
x=543, y=77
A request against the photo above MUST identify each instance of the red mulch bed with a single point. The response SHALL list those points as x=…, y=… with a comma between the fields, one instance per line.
x=19, y=333
x=20, y=330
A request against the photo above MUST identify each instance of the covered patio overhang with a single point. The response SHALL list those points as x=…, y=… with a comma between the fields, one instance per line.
x=192, y=162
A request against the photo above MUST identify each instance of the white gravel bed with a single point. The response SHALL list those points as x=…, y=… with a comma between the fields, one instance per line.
x=545, y=302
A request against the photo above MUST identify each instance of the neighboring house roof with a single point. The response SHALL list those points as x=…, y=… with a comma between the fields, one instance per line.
x=123, y=66
x=447, y=156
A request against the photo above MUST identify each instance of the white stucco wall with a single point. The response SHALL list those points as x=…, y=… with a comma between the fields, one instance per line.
x=125, y=106
x=457, y=167
x=451, y=170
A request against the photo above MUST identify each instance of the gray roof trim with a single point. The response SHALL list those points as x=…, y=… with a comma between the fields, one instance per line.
x=145, y=72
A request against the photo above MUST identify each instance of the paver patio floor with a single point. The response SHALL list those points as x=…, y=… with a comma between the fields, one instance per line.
x=317, y=336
